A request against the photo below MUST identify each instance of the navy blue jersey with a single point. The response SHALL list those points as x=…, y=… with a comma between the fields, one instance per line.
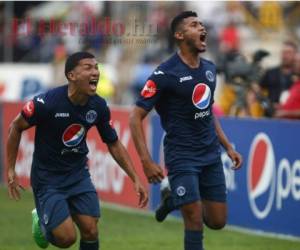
x=60, y=154
x=183, y=98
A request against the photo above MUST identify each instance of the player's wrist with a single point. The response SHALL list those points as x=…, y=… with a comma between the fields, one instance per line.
x=146, y=162
x=135, y=179
x=229, y=148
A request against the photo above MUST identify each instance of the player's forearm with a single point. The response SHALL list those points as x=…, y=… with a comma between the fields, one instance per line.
x=138, y=136
x=121, y=156
x=221, y=135
x=13, y=142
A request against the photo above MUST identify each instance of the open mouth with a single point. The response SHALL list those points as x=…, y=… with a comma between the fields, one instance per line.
x=93, y=83
x=203, y=36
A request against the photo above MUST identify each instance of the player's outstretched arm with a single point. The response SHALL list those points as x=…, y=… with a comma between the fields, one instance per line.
x=18, y=125
x=153, y=172
x=234, y=155
x=121, y=156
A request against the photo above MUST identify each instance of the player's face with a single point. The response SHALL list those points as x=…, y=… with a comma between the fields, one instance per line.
x=86, y=76
x=194, y=34
x=297, y=64
x=288, y=55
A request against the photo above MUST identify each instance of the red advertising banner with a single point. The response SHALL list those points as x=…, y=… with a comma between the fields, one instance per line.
x=24, y=159
x=110, y=180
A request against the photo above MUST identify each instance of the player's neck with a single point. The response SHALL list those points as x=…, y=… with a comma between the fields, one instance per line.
x=191, y=59
x=75, y=97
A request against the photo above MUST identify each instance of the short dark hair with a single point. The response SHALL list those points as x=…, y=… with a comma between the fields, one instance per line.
x=74, y=59
x=179, y=18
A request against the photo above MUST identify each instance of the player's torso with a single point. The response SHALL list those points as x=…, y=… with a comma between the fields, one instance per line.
x=183, y=98
x=189, y=93
x=187, y=117
x=64, y=126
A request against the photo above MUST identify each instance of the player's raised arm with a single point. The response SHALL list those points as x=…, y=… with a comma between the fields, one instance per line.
x=121, y=156
x=18, y=125
x=152, y=171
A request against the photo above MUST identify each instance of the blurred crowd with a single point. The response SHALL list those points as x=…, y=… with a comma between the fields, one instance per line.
x=253, y=91
x=254, y=45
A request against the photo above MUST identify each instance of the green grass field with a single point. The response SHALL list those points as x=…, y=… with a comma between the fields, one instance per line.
x=127, y=230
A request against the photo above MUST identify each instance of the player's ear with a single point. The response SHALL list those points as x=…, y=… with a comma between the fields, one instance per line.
x=178, y=35
x=71, y=75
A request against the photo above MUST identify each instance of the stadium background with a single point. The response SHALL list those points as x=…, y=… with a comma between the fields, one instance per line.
x=130, y=39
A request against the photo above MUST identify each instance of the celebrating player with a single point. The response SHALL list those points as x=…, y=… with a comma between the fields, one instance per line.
x=182, y=92
x=61, y=183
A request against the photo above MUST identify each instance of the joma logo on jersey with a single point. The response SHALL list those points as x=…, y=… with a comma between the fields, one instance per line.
x=158, y=72
x=185, y=78
x=62, y=115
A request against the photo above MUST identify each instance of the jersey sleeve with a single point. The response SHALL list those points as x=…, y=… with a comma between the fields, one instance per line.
x=153, y=90
x=107, y=132
x=34, y=110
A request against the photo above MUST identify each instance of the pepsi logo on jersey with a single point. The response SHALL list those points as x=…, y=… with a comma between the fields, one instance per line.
x=201, y=96
x=73, y=135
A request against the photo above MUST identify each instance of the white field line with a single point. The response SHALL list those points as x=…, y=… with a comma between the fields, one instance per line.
x=178, y=220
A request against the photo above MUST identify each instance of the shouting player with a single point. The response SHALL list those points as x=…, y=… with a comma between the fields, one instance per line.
x=61, y=183
x=182, y=92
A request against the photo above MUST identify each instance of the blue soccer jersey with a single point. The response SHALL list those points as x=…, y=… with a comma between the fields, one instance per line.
x=60, y=155
x=183, y=98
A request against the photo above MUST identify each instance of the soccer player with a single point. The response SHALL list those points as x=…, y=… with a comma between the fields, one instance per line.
x=61, y=183
x=182, y=91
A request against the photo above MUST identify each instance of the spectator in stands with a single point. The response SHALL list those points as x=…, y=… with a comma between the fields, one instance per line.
x=229, y=53
x=291, y=107
x=276, y=80
x=230, y=37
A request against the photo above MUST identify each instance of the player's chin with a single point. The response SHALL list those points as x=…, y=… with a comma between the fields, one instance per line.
x=201, y=48
x=92, y=90
x=92, y=93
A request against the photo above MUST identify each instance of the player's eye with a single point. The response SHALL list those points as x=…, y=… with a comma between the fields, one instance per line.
x=87, y=67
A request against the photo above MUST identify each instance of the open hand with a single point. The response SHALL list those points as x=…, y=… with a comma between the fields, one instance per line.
x=236, y=158
x=142, y=193
x=13, y=186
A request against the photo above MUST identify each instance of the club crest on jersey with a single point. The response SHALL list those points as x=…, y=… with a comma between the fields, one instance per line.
x=210, y=76
x=180, y=191
x=149, y=89
x=73, y=135
x=201, y=96
x=91, y=116
x=28, y=108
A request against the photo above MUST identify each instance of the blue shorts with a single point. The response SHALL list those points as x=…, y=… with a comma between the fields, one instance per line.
x=54, y=205
x=207, y=184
